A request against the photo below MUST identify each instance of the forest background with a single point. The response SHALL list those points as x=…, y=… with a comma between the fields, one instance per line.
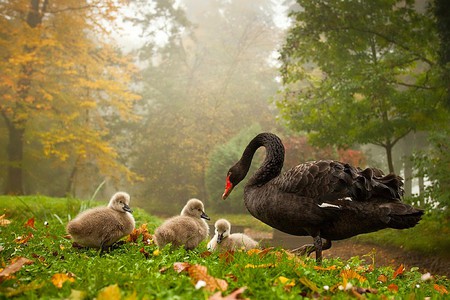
x=159, y=99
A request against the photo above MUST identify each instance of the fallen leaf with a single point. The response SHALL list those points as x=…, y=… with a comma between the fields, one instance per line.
x=261, y=253
x=393, y=287
x=133, y=236
x=3, y=221
x=350, y=274
x=30, y=223
x=264, y=266
x=232, y=296
x=309, y=284
x=59, y=279
x=23, y=240
x=286, y=282
x=181, y=266
x=228, y=256
x=440, y=288
x=200, y=273
x=382, y=278
x=111, y=292
x=330, y=268
x=15, y=266
x=147, y=238
x=205, y=254
x=146, y=254
x=11, y=292
x=399, y=271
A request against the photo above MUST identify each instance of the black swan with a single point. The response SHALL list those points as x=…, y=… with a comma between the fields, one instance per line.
x=323, y=199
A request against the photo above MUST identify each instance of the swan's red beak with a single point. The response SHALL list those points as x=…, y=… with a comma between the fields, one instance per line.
x=228, y=188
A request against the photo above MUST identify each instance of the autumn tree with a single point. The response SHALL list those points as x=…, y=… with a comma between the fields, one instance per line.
x=60, y=83
x=360, y=72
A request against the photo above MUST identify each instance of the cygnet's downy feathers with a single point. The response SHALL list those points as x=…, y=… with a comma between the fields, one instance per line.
x=101, y=227
x=188, y=229
x=223, y=240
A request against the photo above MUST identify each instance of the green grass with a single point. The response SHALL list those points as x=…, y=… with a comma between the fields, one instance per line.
x=132, y=275
x=430, y=237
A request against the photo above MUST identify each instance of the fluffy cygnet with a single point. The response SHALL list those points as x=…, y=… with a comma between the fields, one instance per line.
x=188, y=229
x=101, y=227
x=224, y=241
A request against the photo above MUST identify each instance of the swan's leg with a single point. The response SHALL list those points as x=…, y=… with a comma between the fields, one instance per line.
x=318, y=246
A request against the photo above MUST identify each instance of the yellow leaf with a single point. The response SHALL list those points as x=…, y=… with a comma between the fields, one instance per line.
x=309, y=284
x=156, y=252
x=330, y=268
x=251, y=266
x=3, y=221
x=111, y=292
x=59, y=279
x=286, y=281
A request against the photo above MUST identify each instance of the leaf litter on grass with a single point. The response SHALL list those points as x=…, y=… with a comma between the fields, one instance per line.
x=38, y=260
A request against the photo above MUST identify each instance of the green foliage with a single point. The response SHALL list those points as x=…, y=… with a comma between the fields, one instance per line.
x=220, y=160
x=434, y=165
x=360, y=72
x=129, y=273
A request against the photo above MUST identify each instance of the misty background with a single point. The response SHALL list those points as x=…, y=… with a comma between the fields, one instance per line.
x=189, y=84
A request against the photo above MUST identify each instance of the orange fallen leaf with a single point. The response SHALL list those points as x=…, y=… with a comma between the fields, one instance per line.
x=228, y=256
x=393, y=287
x=441, y=289
x=146, y=254
x=15, y=266
x=3, y=221
x=330, y=268
x=233, y=296
x=23, y=240
x=181, y=266
x=59, y=279
x=261, y=253
x=30, y=223
x=350, y=274
x=205, y=254
x=200, y=273
x=399, y=271
x=382, y=278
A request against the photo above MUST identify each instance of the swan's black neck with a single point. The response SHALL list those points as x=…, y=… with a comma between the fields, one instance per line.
x=273, y=162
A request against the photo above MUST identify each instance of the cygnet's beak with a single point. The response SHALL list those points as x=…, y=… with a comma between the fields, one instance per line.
x=127, y=208
x=204, y=216
x=219, y=238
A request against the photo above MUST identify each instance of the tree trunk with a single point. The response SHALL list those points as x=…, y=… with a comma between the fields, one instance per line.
x=390, y=162
x=14, y=181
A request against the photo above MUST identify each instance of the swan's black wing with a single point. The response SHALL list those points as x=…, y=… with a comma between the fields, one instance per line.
x=327, y=180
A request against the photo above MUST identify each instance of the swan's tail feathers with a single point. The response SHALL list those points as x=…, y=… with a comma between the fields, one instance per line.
x=401, y=216
x=372, y=183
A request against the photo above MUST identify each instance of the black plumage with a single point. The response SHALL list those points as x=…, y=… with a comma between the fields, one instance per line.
x=324, y=199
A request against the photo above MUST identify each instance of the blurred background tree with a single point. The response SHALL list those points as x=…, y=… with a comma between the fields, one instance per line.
x=59, y=87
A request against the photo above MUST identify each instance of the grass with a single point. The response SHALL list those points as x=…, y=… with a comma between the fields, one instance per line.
x=430, y=237
x=138, y=270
